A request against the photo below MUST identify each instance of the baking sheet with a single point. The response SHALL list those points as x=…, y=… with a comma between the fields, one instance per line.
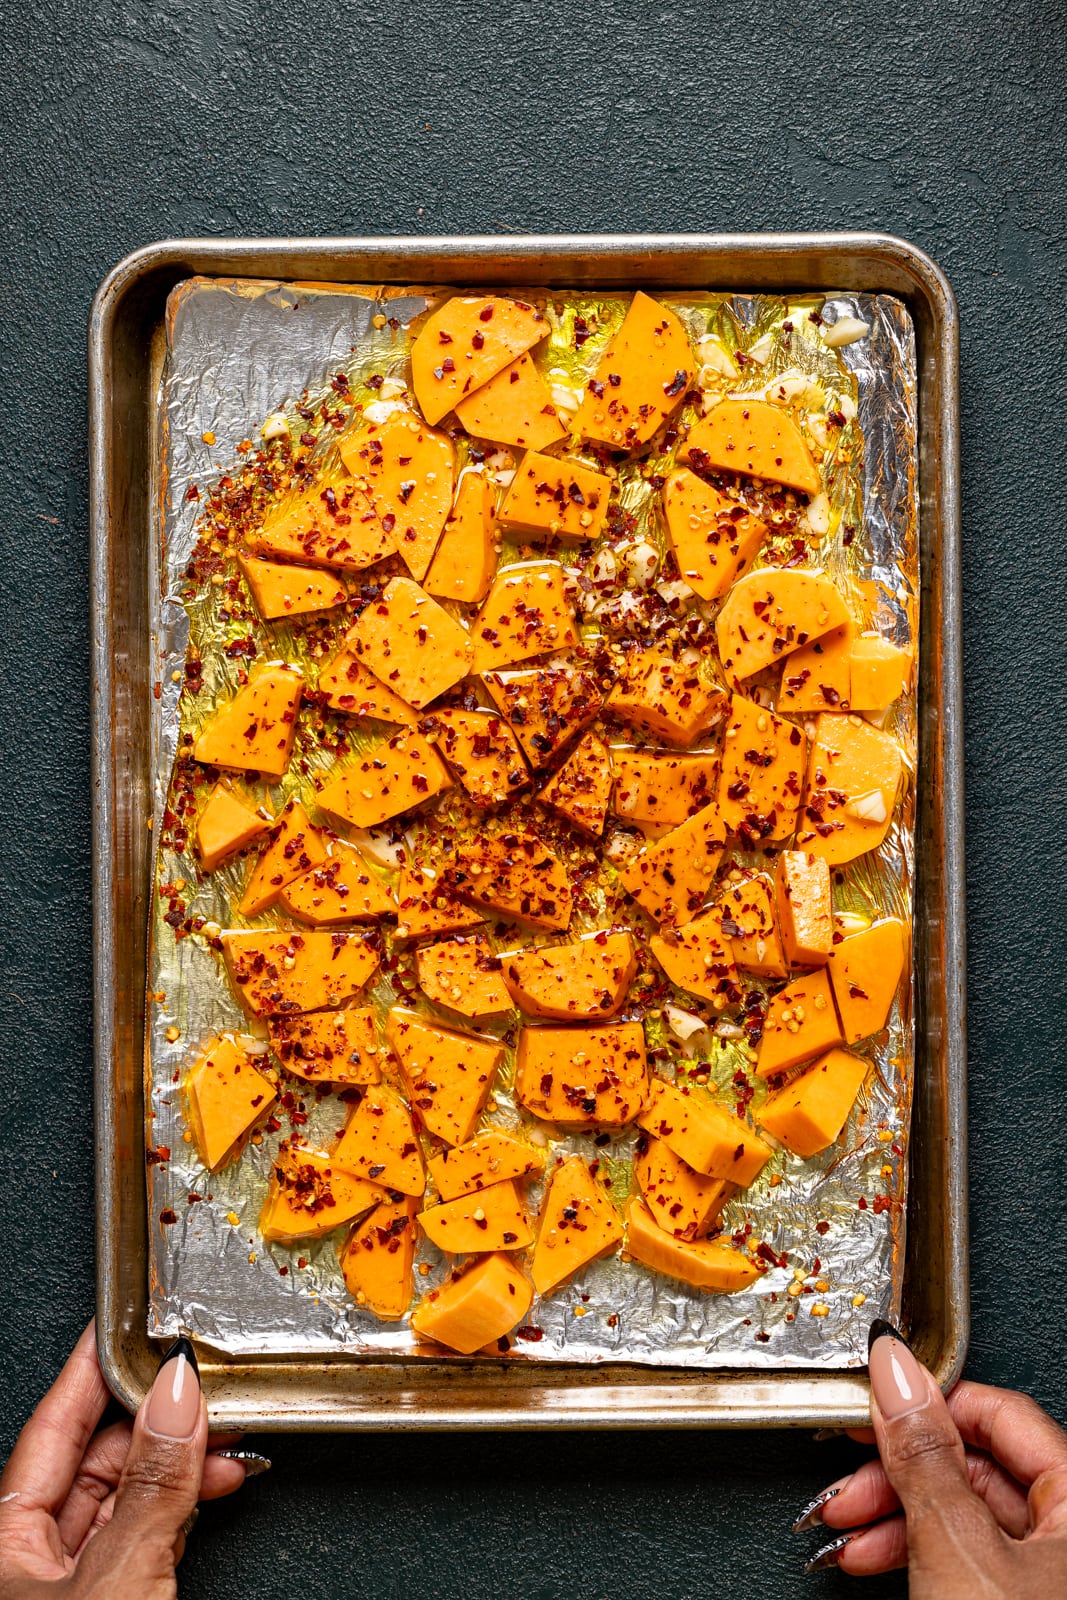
x=237, y=352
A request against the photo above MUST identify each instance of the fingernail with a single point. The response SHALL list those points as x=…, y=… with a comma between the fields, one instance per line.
x=811, y=1516
x=190, y=1522
x=829, y=1555
x=898, y=1382
x=821, y=1435
x=253, y=1463
x=174, y=1403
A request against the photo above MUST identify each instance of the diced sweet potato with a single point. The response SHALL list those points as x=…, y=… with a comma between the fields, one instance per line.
x=755, y=438
x=581, y=789
x=854, y=775
x=746, y=916
x=426, y=904
x=464, y=975
x=817, y=677
x=880, y=672
x=715, y=539
x=671, y=877
x=665, y=695
x=770, y=613
x=516, y=875
x=377, y=1257
x=557, y=496
x=490, y=1157
x=351, y=687
x=762, y=777
x=465, y=343
x=225, y=1096
x=578, y=1224
x=309, y=1196
x=707, y=1136
x=801, y=1021
x=683, y=1201
x=329, y=1046
x=277, y=972
x=706, y=1264
x=339, y=890
x=805, y=907
x=280, y=590
x=330, y=523
x=588, y=978
x=491, y=1219
x=481, y=750
x=465, y=562
x=546, y=706
x=514, y=408
x=447, y=1074
x=390, y=778
x=865, y=971
x=292, y=847
x=526, y=613
x=466, y=1314
x=411, y=643
x=697, y=957
x=405, y=470
x=807, y=1115
x=659, y=789
x=254, y=731
x=379, y=1142
x=227, y=824
x=583, y=1077
x=641, y=378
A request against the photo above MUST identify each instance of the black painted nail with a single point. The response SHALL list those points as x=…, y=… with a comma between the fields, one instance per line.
x=829, y=1555
x=880, y=1329
x=253, y=1463
x=182, y=1347
x=811, y=1516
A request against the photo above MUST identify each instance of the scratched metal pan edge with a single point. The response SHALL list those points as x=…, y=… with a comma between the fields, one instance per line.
x=125, y=359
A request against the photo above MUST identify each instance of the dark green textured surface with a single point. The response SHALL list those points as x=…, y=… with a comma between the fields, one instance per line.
x=944, y=123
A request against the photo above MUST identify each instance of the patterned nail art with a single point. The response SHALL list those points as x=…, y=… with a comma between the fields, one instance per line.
x=811, y=1516
x=253, y=1463
x=829, y=1555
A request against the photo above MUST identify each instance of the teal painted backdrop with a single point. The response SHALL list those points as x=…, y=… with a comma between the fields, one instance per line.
x=943, y=122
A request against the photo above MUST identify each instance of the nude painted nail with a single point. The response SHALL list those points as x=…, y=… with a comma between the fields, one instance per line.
x=174, y=1403
x=811, y=1516
x=898, y=1382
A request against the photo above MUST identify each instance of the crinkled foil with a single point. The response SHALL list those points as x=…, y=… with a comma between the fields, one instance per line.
x=238, y=351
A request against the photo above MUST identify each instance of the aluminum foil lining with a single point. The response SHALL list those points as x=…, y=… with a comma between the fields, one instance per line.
x=238, y=351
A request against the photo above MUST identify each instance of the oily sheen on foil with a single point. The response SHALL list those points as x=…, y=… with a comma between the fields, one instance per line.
x=239, y=351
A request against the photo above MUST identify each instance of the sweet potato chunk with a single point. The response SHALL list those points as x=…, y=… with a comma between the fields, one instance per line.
x=329, y=1046
x=351, y=687
x=377, y=1257
x=309, y=1195
x=807, y=1115
x=277, y=972
x=683, y=1201
x=427, y=904
x=581, y=789
x=514, y=408
x=801, y=1021
x=715, y=539
x=291, y=848
x=854, y=775
x=516, y=875
x=465, y=562
x=818, y=676
x=661, y=788
x=339, y=890
x=379, y=1142
x=697, y=957
x=390, y=778
x=754, y=438
x=664, y=694
x=588, y=978
x=280, y=590
x=447, y=1074
x=488, y=1158
x=464, y=975
x=707, y=1136
x=762, y=777
x=411, y=643
x=746, y=910
x=465, y=343
x=491, y=1219
x=225, y=1096
x=526, y=613
x=706, y=1264
x=254, y=731
x=476, y=1310
x=583, y=1077
x=770, y=613
x=671, y=877
x=805, y=909
x=641, y=378
x=578, y=1224
x=227, y=823
x=481, y=750
x=865, y=971
x=879, y=673
x=557, y=496
x=406, y=471
x=546, y=706
x=330, y=523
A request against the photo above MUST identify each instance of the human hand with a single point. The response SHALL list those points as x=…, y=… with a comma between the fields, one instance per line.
x=92, y=1515
x=970, y=1494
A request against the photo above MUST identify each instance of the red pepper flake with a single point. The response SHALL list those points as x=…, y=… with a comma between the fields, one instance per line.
x=528, y=1332
x=168, y=1217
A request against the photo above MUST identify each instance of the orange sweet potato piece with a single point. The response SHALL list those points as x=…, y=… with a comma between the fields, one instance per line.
x=329, y=523
x=491, y=1219
x=281, y=590
x=516, y=875
x=801, y=1021
x=254, y=731
x=661, y=788
x=641, y=378
x=291, y=848
x=226, y=824
x=715, y=539
x=546, y=706
x=476, y=1310
x=557, y=496
x=805, y=908
x=379, y=1142
x=278, y=972
x=683, y=1201
x=351, y=687
x=754, y=438
x=465, y=343
x=865, y=970
x=697, y=956
x=377, y=1257
x=578, y=1224
x=490, y=1157
x=762, y=777
x=514, y=408
x=410, y=643
x=706, y=1264
x=581, y=789
x=665, y=695
x=588, y=978
x=405, y=470
x=671, y=877
x=309, y=1195
x=879, y=673
x=771, y=612
x=807, y=1115
x=854, y=775
x=583, y=1077
x=465, y=562
x=818, y=676
x=339, y=890
x=481, y=750
x=464, y=975
x=426, y=904
x=388, y=779
x=225, y=1096
x=448, y=1074
x=329, y=1046
x=747, y=918
x=526, y=613
x=707, y=1136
